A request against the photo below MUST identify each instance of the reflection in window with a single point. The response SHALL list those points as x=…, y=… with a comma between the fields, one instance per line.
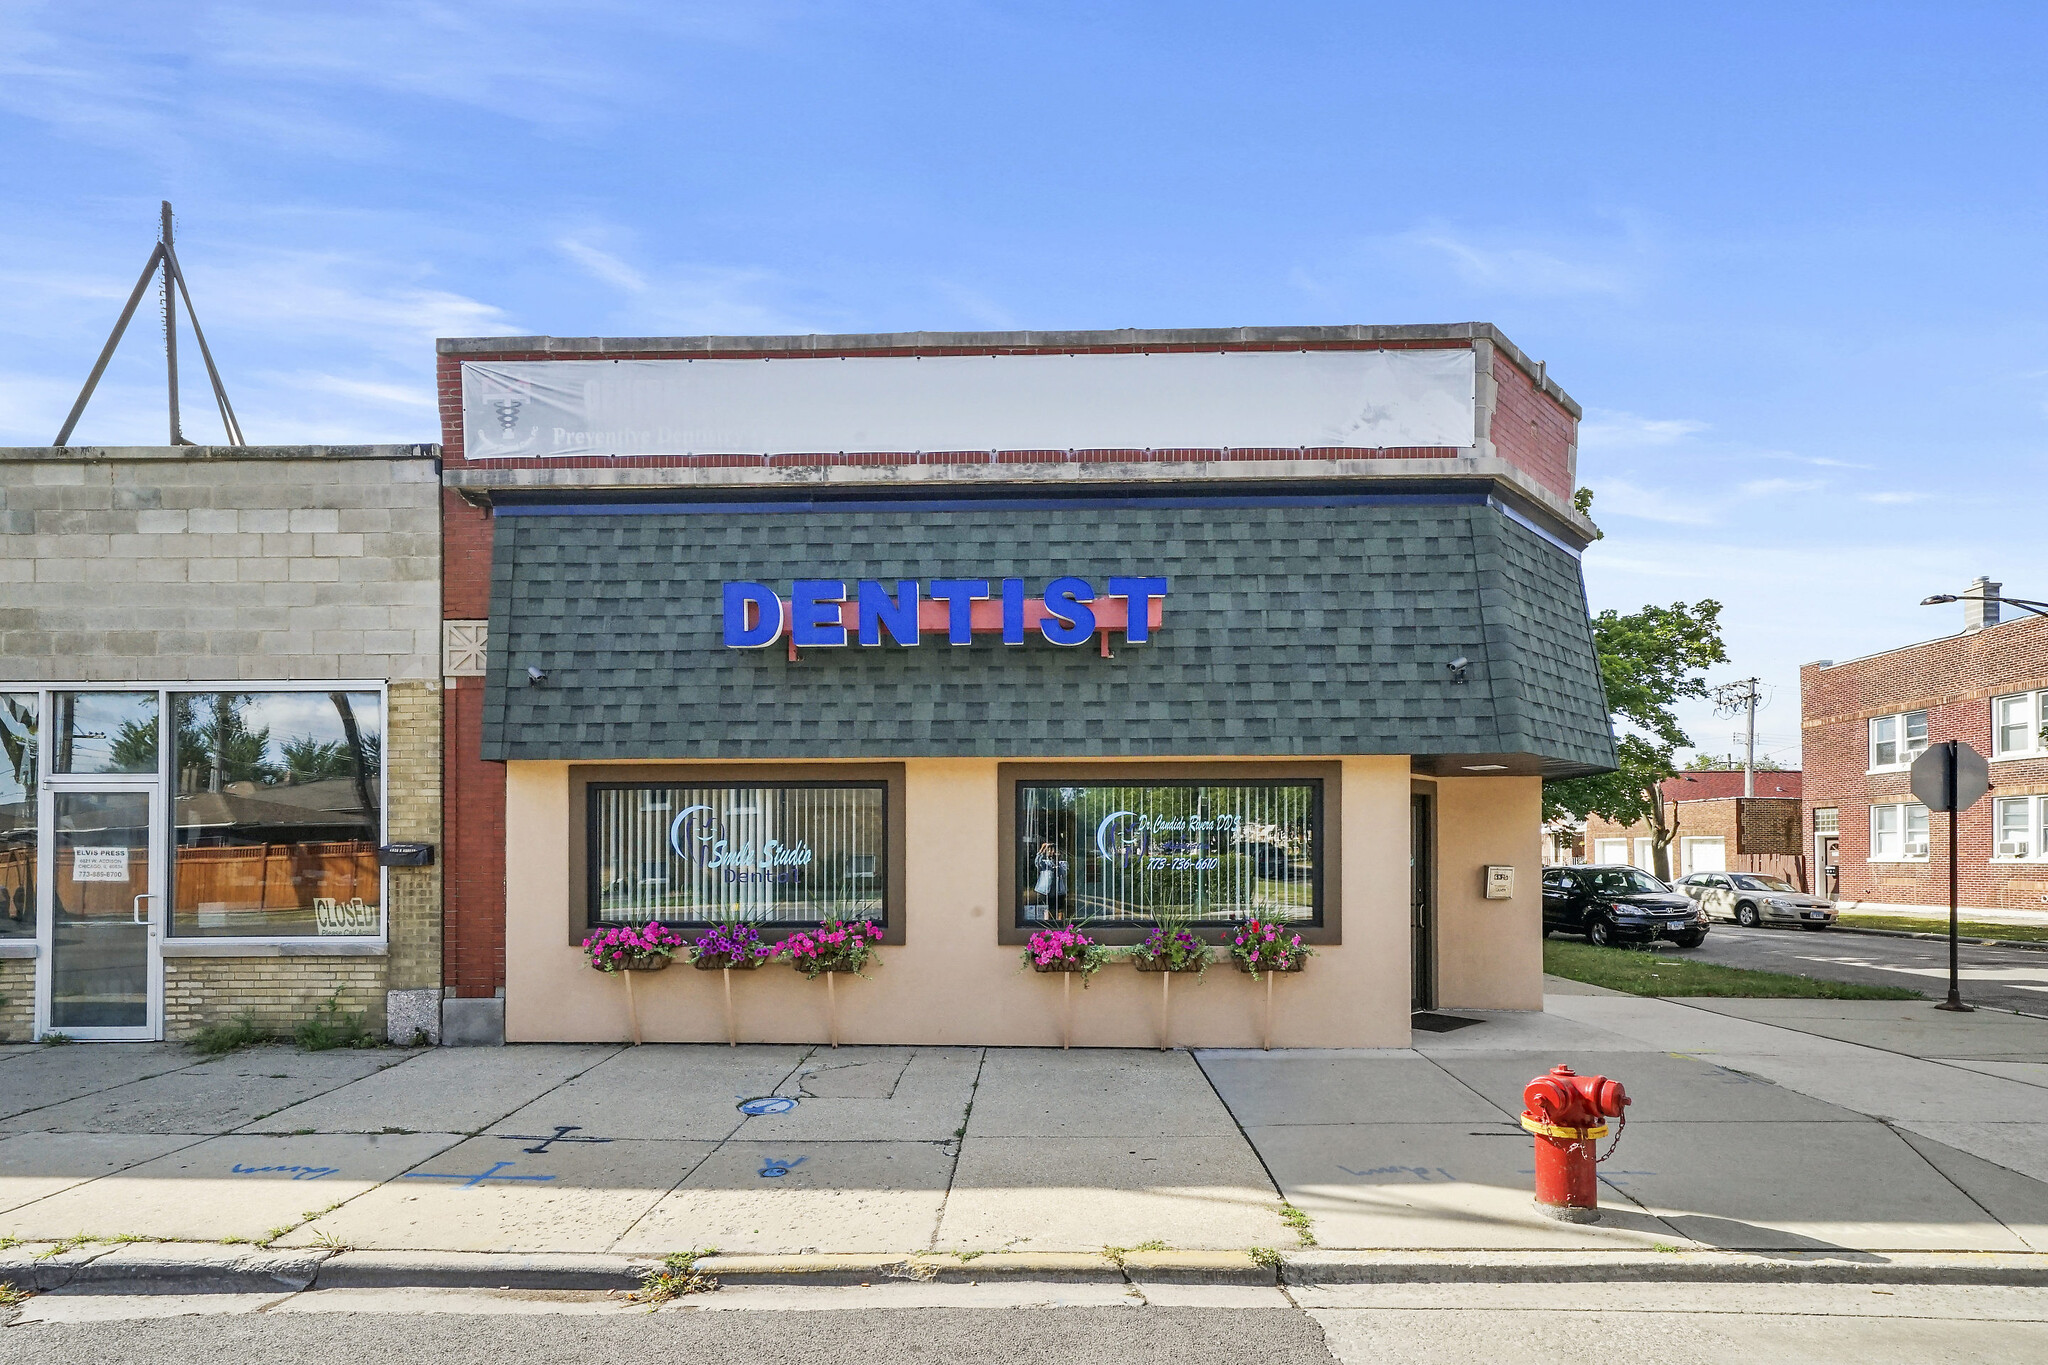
x=788, y=855
x=103, y=732
x=17, y=814
x=277, y=813
x=1211, y=851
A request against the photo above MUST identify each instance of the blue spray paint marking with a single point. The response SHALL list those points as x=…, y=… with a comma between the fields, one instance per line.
x=771, y=1169
x=767, y=1104
x=562, y=1131
x=1419, y=1172
x=470, y=1182
x=298, y=1172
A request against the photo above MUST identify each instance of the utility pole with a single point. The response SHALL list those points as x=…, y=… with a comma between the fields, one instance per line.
x=1742, y=696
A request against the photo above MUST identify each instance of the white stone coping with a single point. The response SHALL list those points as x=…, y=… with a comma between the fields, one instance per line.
x=200, y=947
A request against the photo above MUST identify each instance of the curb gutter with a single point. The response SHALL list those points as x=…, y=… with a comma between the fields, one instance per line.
x=197, y=1268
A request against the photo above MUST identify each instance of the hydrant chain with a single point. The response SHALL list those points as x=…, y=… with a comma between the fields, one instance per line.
x=1566, y=1113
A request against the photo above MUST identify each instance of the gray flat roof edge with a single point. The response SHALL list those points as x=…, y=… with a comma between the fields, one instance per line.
x=57, y=454
x=1023, y=341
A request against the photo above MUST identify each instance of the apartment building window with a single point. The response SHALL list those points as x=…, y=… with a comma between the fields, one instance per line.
x=1898, y=833
x=2020, y=825
x=1827, y=821
x=1895, y=741
x=2019, y=725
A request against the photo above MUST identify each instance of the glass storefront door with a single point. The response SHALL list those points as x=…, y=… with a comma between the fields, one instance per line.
x=103, y=914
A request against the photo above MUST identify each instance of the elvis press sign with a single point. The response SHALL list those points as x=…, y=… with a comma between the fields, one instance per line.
x=823, y=613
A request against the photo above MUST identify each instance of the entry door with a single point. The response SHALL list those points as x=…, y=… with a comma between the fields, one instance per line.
x=1421, y=903
x=101, y=967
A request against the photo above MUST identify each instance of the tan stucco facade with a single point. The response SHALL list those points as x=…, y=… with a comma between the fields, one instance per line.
x=950, y=982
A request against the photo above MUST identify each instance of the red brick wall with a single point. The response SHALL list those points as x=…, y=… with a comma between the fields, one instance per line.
x=1714, y=817
x=1532, y=430
x=473, y=875
x=1953, y=680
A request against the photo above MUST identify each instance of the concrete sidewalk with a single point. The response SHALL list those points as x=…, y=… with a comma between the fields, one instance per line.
x=1859, y=1131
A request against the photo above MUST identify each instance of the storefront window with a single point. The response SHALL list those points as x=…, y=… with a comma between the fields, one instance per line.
x=788, y=855
x=1211, y=851
x=17, y=814
x=277, y=814
x=103, y=732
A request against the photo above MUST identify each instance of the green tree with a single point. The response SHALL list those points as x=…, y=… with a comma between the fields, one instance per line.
x=1648, y=661
x=1729, y=763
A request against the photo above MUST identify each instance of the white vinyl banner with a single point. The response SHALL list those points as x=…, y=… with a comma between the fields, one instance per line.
x=908, y=404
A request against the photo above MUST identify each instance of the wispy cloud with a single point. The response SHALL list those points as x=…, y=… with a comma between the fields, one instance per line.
x=604, y=266
x=1604, y=429
x=383, y=393
x=1618, y=497
x=1771, y=488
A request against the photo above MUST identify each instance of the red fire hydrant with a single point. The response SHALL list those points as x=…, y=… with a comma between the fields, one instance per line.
x=1565, y=1111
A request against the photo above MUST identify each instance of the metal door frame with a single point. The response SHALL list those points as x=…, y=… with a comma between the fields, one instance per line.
x=152, y=1028
x=1422, y=909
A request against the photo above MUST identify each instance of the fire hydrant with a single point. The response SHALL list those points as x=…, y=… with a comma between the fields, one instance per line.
x=1565, y=1111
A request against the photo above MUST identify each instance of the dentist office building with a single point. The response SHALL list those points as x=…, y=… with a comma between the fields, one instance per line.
x=965, y=634
x=969, y=634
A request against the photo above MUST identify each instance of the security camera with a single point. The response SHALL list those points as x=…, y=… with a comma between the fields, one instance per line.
x=535, y=677
x=1458, y=667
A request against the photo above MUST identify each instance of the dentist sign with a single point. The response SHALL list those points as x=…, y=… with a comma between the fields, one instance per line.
x=827, y=613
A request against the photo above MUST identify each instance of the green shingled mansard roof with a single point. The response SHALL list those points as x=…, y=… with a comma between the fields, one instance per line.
x=1289, y=630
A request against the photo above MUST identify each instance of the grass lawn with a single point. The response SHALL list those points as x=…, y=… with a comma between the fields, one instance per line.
x=1653, y=973
x=1971, y=928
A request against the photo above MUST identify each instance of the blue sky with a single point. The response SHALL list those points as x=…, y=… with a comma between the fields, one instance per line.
x=1789, y=257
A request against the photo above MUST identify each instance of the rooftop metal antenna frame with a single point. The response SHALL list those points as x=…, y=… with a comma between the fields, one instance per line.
x=164, y=257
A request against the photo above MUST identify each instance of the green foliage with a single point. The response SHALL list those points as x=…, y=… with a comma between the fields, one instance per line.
x=1729, y=763
x=1265, y=1256
x=1583, y=500
x=1304, y=1232
x=1967, y=929
x=331, y=1028
x=1636, y=972
x=1649, y=660
x=217, y=1040
x=676, y=1276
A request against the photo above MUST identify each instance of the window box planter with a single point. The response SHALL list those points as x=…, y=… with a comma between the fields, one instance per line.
x=1250, y=969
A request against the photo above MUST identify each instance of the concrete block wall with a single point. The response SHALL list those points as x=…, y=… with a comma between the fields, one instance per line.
x=17, y=999
x=279, y=992
x=199, y=563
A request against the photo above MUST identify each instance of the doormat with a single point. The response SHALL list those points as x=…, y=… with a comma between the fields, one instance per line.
x=1441, y=1023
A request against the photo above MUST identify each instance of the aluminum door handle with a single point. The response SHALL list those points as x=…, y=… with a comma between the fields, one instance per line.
x=136, y=909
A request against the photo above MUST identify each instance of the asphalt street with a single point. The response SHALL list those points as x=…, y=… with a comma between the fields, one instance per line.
x=1420, y=1325
x=2006, y=978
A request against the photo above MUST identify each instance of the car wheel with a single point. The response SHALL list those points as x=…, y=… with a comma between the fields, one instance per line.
x=1599, y=933
x=1746, y=916
x=1691, y=938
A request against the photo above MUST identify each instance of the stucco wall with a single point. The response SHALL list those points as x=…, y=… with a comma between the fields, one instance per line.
x=951, y=983
x=1489, y=954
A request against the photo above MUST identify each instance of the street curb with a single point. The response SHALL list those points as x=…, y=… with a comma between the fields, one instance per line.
x=1313, y=1269
x=204, y=1268
x=2027, y=945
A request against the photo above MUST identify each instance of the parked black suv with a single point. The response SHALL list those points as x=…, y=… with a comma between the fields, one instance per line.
x=1610, y=903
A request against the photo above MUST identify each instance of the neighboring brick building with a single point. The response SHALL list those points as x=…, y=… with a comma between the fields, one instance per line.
x=220, y=695
x=1719, y=829
x=1865, y=720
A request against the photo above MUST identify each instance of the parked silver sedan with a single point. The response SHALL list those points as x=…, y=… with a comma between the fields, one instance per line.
x=1753, y=898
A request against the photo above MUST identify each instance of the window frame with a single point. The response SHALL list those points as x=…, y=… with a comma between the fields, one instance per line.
x=1902, y=831
x=2035, y=703
x=1329, y=826
x=579, y=910
x=1903, y=749
x=164, y=781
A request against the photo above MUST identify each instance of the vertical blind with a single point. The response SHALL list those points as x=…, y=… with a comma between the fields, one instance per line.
x=789, y=855
x=1213, y=852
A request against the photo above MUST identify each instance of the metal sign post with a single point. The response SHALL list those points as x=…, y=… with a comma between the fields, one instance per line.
x=1951, y=776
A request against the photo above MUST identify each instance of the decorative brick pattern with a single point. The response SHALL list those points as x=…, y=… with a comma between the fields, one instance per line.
x=17, y=999
x=1953, y=679
x=279, y=992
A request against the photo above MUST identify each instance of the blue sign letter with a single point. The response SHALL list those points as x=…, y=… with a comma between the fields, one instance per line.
x=960, y=595
x=1139, y=592
x=876, y=611
x=814, y=611
x=767, y=613
x=1067, y=621
x=1013, y=611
